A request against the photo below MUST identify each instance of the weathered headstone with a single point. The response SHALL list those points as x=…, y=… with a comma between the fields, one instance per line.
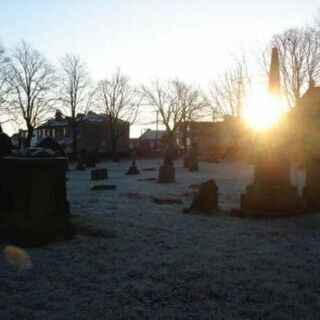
x=206, y=199
x=33, y=202
x=99, y=174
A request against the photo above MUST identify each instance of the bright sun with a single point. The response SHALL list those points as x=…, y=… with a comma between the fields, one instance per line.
x=262, y=111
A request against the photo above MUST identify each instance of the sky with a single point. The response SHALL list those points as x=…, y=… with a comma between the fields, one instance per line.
x=189, y=39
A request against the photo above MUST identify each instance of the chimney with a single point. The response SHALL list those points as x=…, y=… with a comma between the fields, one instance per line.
x=274, y=74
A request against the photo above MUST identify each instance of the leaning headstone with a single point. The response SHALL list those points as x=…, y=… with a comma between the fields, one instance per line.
x=5, y=145
x=133, y=170
x=167, y=170
x=99, y=174
x=207, y=198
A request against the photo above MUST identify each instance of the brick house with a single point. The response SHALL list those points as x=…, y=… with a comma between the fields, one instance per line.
x=151, y=141
x=217, y=139
x=93, y=133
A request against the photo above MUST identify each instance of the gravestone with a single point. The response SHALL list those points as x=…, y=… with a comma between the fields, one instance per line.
x=5, y=145
x=33, y=201
x=271, y=194
x=99, y=174
x=167, y=170
x=206, y=199
x=133, y=170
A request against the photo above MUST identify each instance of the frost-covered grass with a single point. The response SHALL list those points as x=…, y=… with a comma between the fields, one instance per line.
x=138, y=260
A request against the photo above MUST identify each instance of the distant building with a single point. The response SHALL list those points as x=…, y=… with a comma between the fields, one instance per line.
x=93, y=133
x=152, y=140
x=217, y=139
x=304, y=125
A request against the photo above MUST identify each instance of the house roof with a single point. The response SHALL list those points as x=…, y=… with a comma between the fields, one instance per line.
x=90, y=117
x=152, y=134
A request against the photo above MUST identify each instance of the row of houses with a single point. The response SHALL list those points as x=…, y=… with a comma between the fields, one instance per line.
x=94, y=133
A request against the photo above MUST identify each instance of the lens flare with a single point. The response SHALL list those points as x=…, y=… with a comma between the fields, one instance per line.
x=17, y=258
x=263, y=111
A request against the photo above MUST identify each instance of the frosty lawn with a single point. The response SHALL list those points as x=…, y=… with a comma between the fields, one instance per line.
x=141, y=260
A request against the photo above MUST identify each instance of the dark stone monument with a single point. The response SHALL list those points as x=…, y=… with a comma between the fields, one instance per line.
x=33, y=202
x=167, y=170
x=133, y=170
x=5, y=145
x=206, y=199
x=99, y=174
x=271, y=194
x=33, y=186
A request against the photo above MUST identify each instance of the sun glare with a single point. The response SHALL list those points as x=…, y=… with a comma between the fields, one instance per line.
x=262, y=111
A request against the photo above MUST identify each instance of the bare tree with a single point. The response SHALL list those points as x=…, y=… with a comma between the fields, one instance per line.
x=299, y=51
x=4, y=85
x=192, y=103
x=227, y=94
x=176, y=102
x=32, y=80
x=120, y=102
x=75, y=93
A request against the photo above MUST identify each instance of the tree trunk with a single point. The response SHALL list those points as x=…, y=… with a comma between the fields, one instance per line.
x=184, y=138
x=29, y=136
x=115, y=157
x=74, y=141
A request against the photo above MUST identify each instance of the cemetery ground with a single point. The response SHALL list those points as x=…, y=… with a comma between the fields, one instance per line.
x=135, y=259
